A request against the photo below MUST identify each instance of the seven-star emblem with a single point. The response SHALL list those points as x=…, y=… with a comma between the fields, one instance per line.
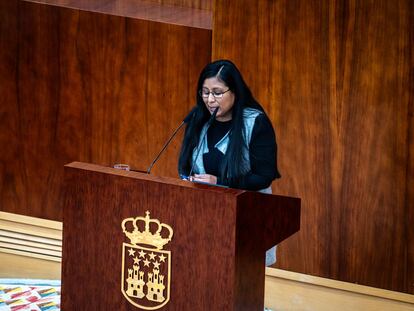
x=146, y=266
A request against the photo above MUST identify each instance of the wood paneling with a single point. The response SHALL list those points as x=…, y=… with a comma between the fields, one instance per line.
x=409, y=208
x=180, y=13
x=101, y=4
x=85, y=86
x=197, y=4
x=336, y=79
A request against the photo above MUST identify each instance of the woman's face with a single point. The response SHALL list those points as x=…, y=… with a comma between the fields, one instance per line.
x=219, y=96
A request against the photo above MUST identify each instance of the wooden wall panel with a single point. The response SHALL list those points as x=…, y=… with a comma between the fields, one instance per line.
x=410, y=160
x=336, y=79
x=178, y=12
x=197, y=4
x=91, y=87
x=101, y=4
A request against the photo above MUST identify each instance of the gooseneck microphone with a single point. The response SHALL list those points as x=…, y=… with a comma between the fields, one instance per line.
x=213, y=116
x=185, y=120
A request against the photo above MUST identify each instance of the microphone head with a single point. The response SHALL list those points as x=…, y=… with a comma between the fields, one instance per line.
x=215, y=112
x=213, y=116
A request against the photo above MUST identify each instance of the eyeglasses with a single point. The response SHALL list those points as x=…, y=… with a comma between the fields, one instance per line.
x=205, y=93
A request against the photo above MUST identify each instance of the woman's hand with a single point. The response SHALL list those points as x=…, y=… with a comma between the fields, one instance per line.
x=206, y=178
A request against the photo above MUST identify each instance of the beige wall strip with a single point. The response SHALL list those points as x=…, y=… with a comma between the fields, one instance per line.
x=28, y=237
x=20, y=242
x=285, y=290
x=23, y=267
x=38, y=222
x=29, y=249
x=28, y=254
x=30, y=229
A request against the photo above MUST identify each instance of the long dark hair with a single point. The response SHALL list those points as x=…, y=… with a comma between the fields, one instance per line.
x=234, y=164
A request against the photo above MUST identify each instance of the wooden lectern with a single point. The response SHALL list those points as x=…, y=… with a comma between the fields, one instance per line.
x=215, y=259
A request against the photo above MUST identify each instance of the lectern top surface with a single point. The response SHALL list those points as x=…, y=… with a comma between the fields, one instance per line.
x=143, y=176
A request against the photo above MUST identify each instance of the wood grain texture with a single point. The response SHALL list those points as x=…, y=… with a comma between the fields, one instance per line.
x=336, y=80
x=85, y=86
x=198, y=4
x=100, y=4
x=410, y=162
x=191, y=13
x=217, y=248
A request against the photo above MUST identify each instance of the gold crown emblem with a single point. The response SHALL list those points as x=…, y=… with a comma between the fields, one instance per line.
x=147, y=236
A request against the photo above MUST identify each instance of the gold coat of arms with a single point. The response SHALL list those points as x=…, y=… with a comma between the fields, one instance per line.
x=146, y=267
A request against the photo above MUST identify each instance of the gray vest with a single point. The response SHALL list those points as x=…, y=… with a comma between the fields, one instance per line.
x=249, y=117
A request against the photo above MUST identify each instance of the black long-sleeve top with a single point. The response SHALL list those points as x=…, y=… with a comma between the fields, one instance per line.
x=262, y=152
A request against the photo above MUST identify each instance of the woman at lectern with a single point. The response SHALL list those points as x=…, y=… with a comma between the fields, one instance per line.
x=229, y=140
